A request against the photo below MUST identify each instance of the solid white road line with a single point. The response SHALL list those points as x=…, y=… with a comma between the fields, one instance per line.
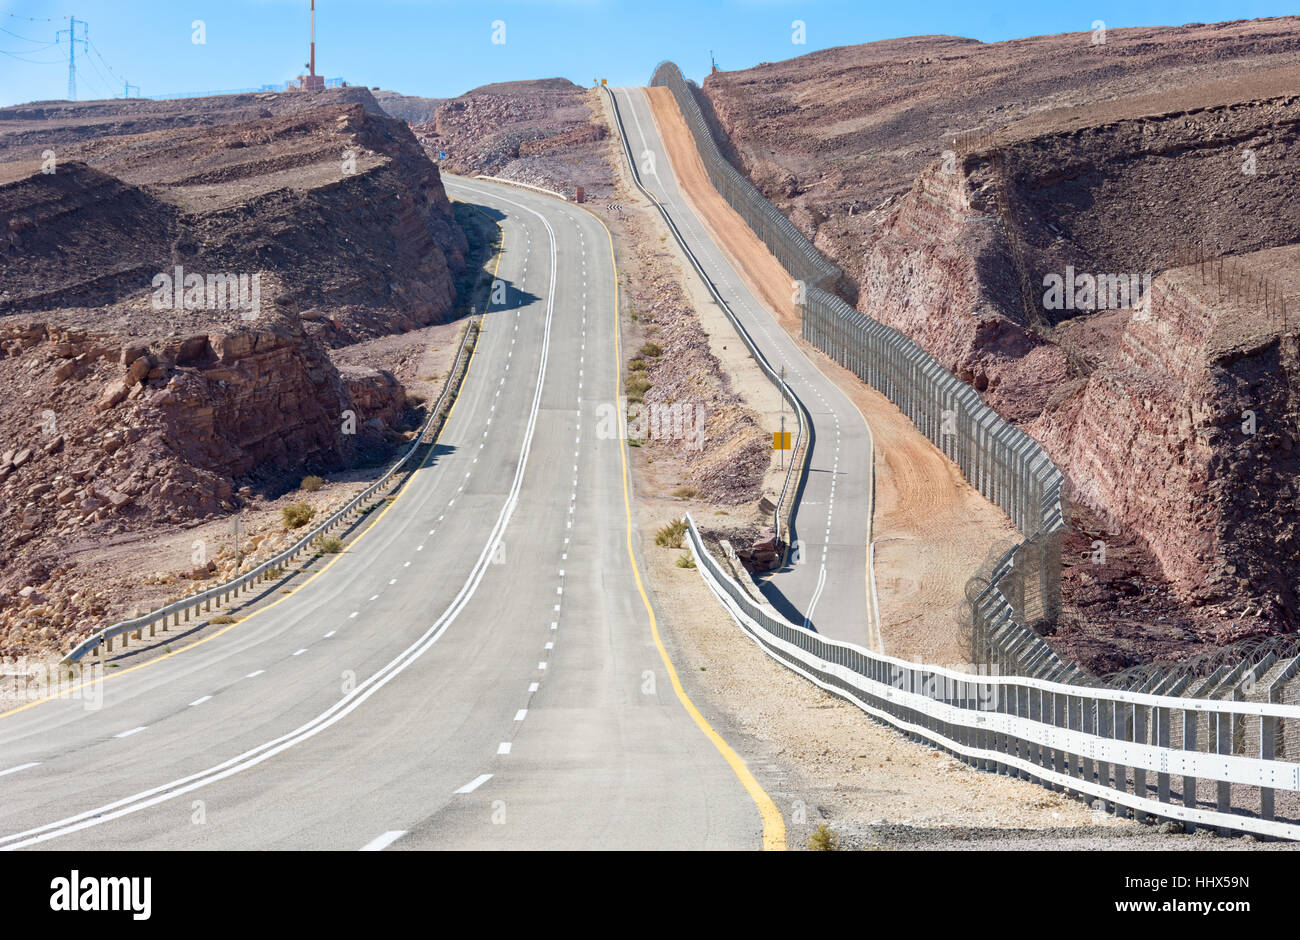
x=384, y=841
x=14, y=770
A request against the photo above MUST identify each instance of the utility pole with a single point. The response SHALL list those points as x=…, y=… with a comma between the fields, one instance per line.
x=238, y=560
x=72, y=51
x=126, y=92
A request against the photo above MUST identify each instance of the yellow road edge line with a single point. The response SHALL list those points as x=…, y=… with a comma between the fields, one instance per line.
x=773, y=823
x=368, y=529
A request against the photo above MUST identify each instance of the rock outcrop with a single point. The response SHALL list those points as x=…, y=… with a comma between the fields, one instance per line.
x=170, y=293
x=955, y=179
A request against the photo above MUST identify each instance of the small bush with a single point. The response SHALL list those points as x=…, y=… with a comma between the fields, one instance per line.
x=686, y=492
x=670, y=536
x=685, y=561
x=329, y=545
x=297, y=515
x=312, y=483
x=823, y=840
x=651, y=350
x=638, y=365
x=637, y=386
x=222, y=618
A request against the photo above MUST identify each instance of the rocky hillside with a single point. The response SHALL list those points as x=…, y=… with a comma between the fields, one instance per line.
x=409, y=108
x=170, y=295
x=832, y=135
x=547, y=133
x=1112, y=164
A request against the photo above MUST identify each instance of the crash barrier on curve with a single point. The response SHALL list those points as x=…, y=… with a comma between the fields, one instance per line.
x=1230, y=765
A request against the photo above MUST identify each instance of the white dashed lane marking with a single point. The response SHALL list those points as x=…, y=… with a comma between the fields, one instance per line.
x=475, y=783
x=380, y=843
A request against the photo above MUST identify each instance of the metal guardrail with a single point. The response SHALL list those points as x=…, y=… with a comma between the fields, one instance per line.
x=223, y=592
x=1147, y=753
x=784, y=512
x=510, y=182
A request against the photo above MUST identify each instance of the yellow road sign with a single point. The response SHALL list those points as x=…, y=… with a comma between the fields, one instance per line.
x=780, y=440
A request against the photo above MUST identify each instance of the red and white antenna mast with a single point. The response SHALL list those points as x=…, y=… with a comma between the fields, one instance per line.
x=311, y=81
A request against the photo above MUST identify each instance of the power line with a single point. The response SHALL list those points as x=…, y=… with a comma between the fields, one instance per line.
x=126, y=85
x=24, y=38
x=73, y=39
x=21, y=58
x=101, y=78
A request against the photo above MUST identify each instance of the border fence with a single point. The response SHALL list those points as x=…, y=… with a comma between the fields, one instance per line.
x=1022, y=589
x=783, y=513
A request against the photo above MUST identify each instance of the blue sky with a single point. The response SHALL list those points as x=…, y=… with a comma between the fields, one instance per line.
x=441, y=48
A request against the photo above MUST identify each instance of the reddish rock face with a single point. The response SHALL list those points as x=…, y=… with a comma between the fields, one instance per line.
x=1164, y=137
x=545, y=133
x=1186, y=434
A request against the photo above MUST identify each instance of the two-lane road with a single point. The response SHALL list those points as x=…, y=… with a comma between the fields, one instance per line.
x=479, y=670
x=827, y=585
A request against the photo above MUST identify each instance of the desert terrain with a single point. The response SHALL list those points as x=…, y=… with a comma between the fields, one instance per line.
x=952, y=180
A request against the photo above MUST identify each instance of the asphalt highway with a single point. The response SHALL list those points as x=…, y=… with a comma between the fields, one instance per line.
x=477, y=671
